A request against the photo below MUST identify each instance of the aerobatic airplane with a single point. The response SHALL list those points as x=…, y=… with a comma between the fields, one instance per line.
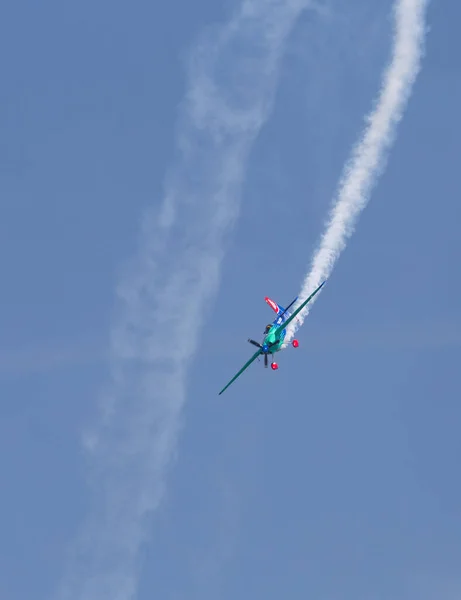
x=274, y=335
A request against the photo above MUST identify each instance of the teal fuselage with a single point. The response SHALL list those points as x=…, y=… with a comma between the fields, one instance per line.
x=271, y=337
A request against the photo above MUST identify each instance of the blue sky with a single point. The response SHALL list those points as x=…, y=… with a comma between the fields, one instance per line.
x=334, y=478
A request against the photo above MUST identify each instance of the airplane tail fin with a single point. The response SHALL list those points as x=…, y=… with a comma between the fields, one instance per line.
x=275, y=307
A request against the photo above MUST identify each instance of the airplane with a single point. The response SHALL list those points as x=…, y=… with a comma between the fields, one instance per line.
x=274, y=334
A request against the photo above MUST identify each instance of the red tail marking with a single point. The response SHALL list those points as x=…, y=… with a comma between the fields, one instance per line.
x=272, y=304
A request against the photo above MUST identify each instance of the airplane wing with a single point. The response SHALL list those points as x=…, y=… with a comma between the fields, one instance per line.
x=254, y=357
x=297, y=311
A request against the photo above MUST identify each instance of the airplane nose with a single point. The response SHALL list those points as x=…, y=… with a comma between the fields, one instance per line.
x=265, y=348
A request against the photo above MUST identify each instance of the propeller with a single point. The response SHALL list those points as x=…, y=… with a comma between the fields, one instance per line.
x=265, y=348
x=257, y=344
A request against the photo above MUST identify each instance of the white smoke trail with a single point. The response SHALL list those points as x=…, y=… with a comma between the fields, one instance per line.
x=166, y=289
x=368, y=159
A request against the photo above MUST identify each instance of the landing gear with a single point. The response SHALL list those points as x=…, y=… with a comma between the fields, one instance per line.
x=274, y=366
x=295, y=343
